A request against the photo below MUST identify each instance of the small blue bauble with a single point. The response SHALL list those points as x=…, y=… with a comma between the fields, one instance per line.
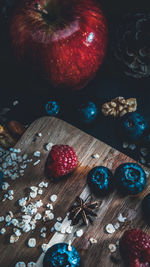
x=130, y=178
x=133, y=126
x=52, y=108
x=100, y=180
x=59, y=256
x=146, y=208
x=1, y=178
x=87, y=113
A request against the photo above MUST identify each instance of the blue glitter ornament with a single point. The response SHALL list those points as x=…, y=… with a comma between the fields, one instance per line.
x=87, y=113
x=52, y=108
x=130, y=178
x=133, y=126
x=146, y=208
x=59, y=256
x=1, y=178
x=100, y=180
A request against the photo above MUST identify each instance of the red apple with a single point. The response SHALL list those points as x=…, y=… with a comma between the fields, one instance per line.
x=65, y=40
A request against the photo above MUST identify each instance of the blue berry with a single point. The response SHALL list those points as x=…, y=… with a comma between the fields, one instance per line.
x=130, y=178
x=133, y=126
x=1, y=178
x=52, y=108
x=146, y=208
x=87, y=112
x=100, y=180
x=59, y=256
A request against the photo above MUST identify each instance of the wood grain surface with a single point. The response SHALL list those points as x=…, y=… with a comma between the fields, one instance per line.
x=96, y=255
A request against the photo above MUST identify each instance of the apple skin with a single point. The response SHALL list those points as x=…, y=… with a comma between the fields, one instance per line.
x=67, y=52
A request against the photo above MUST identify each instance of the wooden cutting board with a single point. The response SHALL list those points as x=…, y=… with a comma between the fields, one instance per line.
x=92, y=255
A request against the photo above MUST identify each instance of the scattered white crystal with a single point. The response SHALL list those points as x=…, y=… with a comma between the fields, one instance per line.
x=10, y=197
x=10, y=192
x=53, y=198
x=43, y=229
x=44, y=247
x=110, y=228
x=1, y=218
x=59, y=219
x=34, y=188
x=20, y=264
x=39, y=203
x=57, y=226
x=13, y=156
x=23, y=209
x=26, y=217
x=69, y=246
x=79, y=233
x=24, y=156
x=5, y=197
x=33, y=194
x=15, y=102
x=36, y=162
x=15, y=222
x=45, y=184
x=26, y=228
x=8, y=218
x=93, y=240
x=116, y=225
x=31, y=264
x=22, y=201
x=5, y=186
x=40, y=192
x=2, y=231
x=142, y=160
x=144, y=151
x=13, y=239
x=38, y=216
x=132, y=146
x=121, y=218
x=125, y=145
x=10, y=213
x=112, y=248
x=48, y=215
x=50, y=206
x=96, y=156
x=43, y=235
x=17, y=232
x=31, y=242
x=37, y=154
x=52, y=229
x=48, y=146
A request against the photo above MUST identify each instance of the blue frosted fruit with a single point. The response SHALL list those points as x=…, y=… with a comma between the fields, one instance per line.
x=100, y=180
x=130, y=178
x=59, y=256
x=133, y=126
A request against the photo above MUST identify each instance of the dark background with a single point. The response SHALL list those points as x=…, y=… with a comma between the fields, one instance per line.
x=33, y=93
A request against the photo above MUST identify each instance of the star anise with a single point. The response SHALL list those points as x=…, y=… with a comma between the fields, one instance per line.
x=83, y=210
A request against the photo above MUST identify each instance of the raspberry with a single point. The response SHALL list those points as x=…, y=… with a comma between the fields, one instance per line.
x=135, y=248
x=61, y=161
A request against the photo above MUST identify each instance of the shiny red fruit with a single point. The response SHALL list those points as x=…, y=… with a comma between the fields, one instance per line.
x=61, y=161
x=135, y=248
x=65, y=40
